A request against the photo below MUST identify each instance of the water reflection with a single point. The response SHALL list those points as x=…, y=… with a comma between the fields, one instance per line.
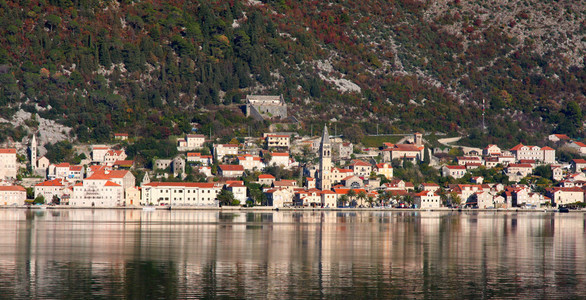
x=185, y=254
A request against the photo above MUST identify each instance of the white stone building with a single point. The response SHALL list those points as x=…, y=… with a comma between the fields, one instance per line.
x=181, y=194
x=12, y=195
x=8, y=164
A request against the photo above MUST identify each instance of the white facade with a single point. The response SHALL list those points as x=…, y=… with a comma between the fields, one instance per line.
x=8, y=164
x=279, y=159
x=112, y=156
x=221, y=150
x=180, y=194
x=205, y=160
x=49, y=188
x=278, y=140
x=454, y=171
x=427, y=199
x=191, y=142
x=99, y=152
x=12, y=195
x=250, y=162
x=97, y=193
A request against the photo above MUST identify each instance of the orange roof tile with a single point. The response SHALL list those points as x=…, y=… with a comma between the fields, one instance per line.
x=11, y=188
x=517, y=147
x=7, y=151
x=54, y=182
x=231, y=167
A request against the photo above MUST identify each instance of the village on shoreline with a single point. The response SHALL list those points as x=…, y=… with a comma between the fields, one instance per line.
x=282, y=170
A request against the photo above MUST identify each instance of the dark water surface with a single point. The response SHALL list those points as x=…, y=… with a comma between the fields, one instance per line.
x=112, y=254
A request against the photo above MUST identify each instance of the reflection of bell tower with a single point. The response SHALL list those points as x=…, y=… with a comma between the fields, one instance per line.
x=325, y=161
x=33, y=149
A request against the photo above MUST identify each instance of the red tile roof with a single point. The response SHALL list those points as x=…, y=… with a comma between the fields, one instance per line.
x=456, y=167
x=54, y=182
x=517, y=147
x=358, y=162
x=231, y=167
x=279, y=154
x=4, y=151
x=12, y=188
x=124, y=163
x=520, y=166
x=266, y=176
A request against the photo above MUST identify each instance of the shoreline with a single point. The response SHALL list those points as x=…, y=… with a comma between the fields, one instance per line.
x=278, y=209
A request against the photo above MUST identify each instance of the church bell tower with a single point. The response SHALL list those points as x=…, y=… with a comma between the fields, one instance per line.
x=325, y=161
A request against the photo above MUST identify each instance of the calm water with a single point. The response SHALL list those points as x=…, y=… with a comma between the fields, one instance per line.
x=106, y=254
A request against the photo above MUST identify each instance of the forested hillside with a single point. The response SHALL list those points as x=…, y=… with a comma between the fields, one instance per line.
x=151, y=68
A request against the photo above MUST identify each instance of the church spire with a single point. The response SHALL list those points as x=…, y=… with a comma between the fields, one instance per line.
x=325, y=162
x=325, y=138
x=33, y=152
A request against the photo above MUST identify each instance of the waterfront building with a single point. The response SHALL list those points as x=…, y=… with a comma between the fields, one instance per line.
x=181, y=194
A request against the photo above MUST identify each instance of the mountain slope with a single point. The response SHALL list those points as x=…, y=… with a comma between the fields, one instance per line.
x=153, y=67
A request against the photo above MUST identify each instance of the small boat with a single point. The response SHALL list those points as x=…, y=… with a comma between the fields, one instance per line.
x=563, y=209
x=148, y=208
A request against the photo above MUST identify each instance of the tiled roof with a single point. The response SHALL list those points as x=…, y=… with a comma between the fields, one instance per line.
x=124, y=163
x=266, y=176
x=358, y=162
x=54, y=182
x=279, y=154
x=7, y=151
x=231, y=167
x=520, y=166
x=456, y=167
x=517, y=147
x=12, y=188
